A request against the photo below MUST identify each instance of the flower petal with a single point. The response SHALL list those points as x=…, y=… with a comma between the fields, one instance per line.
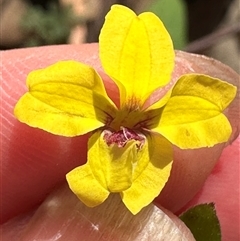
x=137, y=52
x=158, y=102
x=67, y=98
x=148, y=183
x=192, y=118
x=83, y=183
x=111, y=165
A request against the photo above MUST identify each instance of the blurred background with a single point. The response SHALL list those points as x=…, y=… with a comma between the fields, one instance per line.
x=210, y=27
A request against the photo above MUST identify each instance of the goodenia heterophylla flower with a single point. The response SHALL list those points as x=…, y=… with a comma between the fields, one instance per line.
x=129, y=150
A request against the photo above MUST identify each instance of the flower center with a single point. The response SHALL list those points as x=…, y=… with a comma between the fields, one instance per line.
x=122, y=136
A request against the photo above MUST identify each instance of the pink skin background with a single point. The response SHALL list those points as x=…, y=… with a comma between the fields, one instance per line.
x=34, y=162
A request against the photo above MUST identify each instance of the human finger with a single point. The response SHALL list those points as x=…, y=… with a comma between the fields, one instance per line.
x=222, y=188
x=62, y=217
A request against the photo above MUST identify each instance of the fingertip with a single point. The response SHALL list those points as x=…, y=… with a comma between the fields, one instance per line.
x=222, y=188
x=64, y=215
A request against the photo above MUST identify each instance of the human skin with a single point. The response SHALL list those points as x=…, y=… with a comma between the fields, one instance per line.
x=34, y=162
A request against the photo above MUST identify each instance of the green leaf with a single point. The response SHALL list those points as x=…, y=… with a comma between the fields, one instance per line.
x=203, y=222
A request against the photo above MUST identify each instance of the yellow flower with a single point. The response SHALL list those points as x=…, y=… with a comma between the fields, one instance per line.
x=129, y=151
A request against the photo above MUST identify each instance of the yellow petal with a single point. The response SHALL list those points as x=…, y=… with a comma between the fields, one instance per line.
x=159, y=101
x=205, y=87
x=112, y=165
x=148, y=182
x=137, y=52
x=192, y=118
x=67, y=98
x=83, y=183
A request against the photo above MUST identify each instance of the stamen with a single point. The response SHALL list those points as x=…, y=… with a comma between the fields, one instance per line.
x=121, y=137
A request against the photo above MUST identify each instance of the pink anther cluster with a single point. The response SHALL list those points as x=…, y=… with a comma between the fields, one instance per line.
x=122, y=136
